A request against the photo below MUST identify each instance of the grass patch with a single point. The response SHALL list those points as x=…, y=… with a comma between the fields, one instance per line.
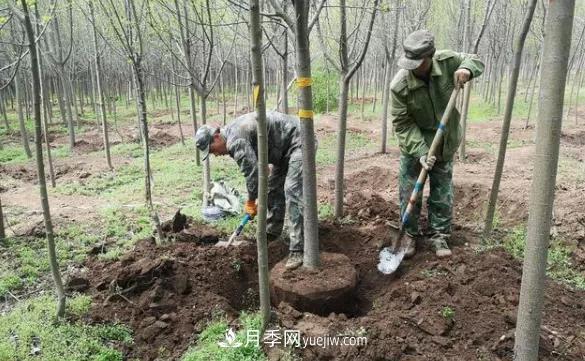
x=559, y=265
x=208, y=348
x=33, y=322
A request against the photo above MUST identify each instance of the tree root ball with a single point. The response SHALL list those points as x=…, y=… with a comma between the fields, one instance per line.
x=330, y=288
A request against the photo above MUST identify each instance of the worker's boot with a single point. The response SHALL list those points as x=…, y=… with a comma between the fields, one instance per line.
x=439, y=244
x=410, y=245
x=294, y=261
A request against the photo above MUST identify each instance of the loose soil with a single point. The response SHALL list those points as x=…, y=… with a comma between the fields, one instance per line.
x=168, y=294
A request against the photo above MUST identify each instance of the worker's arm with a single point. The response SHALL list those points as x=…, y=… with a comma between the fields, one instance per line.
x=243, y=153
x=470, y=62
x=410, y=138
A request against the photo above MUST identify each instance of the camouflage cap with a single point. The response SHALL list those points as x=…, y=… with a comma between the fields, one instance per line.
x=417, y=45
x=203, y=139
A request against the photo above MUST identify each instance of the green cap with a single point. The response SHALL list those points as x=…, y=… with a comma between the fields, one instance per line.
x=417, y=45
x=203, y=139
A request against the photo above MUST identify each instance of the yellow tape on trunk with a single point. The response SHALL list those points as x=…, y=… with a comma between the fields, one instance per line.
x=256, y=94
x=306, y=114
x=303, y=82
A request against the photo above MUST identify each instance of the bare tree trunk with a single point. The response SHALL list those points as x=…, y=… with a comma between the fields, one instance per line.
x=2, y=231
x=512, y=86
x=100, y=94
x=40, y=166
x=284, y=80
x=385, y=104
x=341, y=131
x=557, y=45
x=178, y=105
x=193, y=113
x=3, y=111
x=310, y=214
x=21, y=123
x=206, y=167
x=260, y=108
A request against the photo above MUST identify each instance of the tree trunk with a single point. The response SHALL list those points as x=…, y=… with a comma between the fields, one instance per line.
x=2, y=231
x=67, y=107
x=341, y=130
x=557, y=45
x=142, y=115
x=284, y=80
x=21, y=122
x=178, y=104
x=193, y=113
x=3, y=111
x=40, y=166
x=206, y=167
x=100, y=94
x=385, y=105
x=260, y=107
x=310, y=214
x=512, y=86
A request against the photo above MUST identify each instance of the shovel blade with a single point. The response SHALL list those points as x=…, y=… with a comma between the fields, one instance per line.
x=390, y=260
x=229, y=244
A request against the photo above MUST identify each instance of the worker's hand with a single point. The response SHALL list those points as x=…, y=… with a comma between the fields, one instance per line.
x=462, y=76
x=428, y=163
x=251, y=208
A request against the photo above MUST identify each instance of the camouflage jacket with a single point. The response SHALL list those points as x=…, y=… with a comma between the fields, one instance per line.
x=417, y=106
x=242, y=143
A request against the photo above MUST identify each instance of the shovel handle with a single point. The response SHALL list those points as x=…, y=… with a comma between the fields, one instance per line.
x=242, y=224
x=422, y=177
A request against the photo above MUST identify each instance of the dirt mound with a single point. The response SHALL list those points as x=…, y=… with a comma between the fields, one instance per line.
x=574, y=137
x=19, y=172
x=167, y=294
x=162, y=139
x=462, y=308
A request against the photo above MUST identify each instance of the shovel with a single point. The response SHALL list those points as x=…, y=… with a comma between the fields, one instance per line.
x=230, y=241
x=390, y=258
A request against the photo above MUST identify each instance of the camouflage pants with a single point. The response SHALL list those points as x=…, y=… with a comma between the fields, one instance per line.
x=440, y=201
x=285, y=196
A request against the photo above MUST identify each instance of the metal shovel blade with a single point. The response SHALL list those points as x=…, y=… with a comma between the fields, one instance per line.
x=230, y=242
x=389, y=261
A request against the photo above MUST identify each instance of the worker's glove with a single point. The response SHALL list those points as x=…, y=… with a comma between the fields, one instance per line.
x=428, y=163
x=462, y=76
x=251, y=208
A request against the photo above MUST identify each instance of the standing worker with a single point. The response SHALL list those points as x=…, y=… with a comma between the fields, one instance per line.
x=420, y=93
x=285, y=185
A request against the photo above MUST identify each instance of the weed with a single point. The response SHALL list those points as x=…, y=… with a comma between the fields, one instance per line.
x=448, y=313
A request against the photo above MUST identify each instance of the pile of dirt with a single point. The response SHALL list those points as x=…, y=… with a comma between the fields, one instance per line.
x=160, y=139
x=461, y=308
x=168, y=294
x=573, y=137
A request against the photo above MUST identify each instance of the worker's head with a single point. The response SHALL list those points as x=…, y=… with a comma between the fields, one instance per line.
x=419, y=48
x=209, y=140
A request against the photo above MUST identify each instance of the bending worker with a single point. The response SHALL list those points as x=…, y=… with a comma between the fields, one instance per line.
x=420, y=92
x=285, y=184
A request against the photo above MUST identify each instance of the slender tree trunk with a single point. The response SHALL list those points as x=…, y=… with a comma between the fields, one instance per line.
x=557, y=45
x=40, y=166
x=3, y=111
x=193, y=113
x=236, y=87
x=178, y=105
x=206, y=166
x=67, y=108
x=21, y=123
x=512, y=86
x=142, y=115
x=341, y=131
x=100, y=93
x=284, y=80
x=44, y=112
x=310, y=214
x=260, y=107
x=2, y=231
x=385, y=105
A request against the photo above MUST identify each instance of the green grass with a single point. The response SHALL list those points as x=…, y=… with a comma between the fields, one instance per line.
x=207, y=347
x=448, y=313
x=58, y=339
x=559, y=265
